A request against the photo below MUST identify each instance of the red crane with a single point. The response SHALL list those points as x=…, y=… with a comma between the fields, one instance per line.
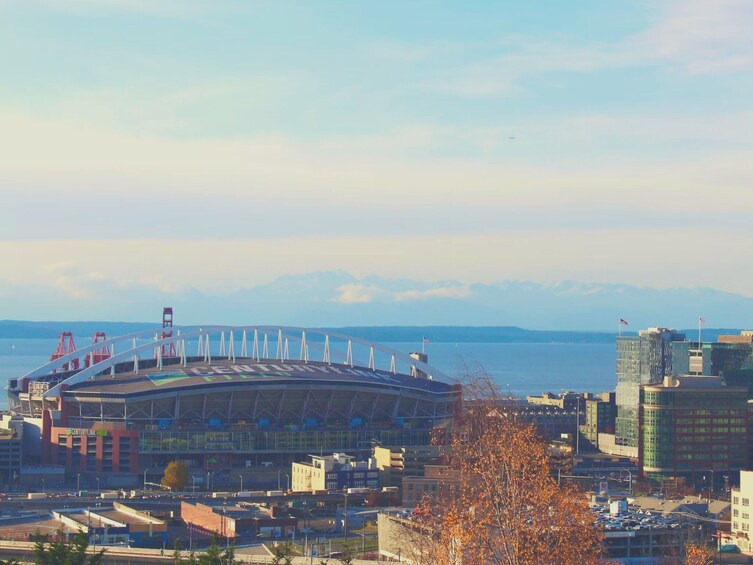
x=97, y=355
x=65, y=346
x=167, y=331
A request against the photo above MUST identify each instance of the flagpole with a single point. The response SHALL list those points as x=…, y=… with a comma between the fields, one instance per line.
x=619, y=327
x=699, y=332
x=423, y=345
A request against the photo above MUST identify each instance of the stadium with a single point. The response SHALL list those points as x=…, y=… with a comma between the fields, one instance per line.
x=124, y=405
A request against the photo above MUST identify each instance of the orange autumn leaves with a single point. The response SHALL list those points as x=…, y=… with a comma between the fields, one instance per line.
x=503, y=506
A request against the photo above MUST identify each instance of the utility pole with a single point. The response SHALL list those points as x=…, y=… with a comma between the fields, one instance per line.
x=345, y=517
x=577, y=429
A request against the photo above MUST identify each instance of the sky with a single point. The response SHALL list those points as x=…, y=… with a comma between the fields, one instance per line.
x=154, y=146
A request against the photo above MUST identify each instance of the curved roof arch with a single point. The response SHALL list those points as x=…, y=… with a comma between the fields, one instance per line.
x=187, y=333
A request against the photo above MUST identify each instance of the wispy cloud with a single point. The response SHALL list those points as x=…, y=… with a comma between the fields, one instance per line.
x=100, y=7
x=701, y=36
x=504, y=74
x=696, y=36
x=359, y=294
x=432, y=293
x=80, y=282
x=364, y=294
x=214, y=186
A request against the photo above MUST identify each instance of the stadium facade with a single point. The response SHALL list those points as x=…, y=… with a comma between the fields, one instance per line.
x=150, y=403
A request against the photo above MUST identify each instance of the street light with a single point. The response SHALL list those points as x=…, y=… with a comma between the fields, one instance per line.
x=208, y=475
x=193, y=488
x=145, y=471
x=241, y=477
x=345, y=516
x=278, y=479
x=43, y=489
x=98, y=489
x=363, y=541
x=288, y=477
x=224, y=526
x=78, y=483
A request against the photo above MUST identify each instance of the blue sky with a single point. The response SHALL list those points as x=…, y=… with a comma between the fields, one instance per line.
x=164, y=145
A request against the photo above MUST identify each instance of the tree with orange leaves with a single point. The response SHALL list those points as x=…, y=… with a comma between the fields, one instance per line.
x=503, y=506
x=698, y=554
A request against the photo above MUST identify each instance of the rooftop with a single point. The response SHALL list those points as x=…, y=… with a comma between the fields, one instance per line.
x=233, y=373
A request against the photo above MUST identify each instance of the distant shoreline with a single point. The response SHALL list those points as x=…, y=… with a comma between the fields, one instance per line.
x=11, y=329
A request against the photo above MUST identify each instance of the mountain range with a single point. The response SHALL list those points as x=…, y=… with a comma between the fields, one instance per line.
x=339, y=299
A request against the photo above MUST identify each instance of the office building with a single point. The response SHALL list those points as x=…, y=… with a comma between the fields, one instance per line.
x=742, y=514
x=730, y=357
x=600, y=418
x=10, y=457
x=436, y=480
x=334, y=472
x=641, y=360
x=551, y=421
x=569, y=401
x=395, y=463
x=693, y=426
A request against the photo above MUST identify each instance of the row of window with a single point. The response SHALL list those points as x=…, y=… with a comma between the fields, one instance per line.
x=687, y=456
x=165, y=441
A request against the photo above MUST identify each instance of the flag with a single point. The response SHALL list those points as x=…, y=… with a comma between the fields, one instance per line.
x=702, y=320
x=426, y=340
x=623, y=322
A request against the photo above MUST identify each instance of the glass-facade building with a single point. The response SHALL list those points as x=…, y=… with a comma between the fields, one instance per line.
x=692, y=424
x=733, y=361
x=641, y=360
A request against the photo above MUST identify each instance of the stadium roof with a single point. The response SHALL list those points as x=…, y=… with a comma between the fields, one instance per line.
x=225, y=373
x=129, y=370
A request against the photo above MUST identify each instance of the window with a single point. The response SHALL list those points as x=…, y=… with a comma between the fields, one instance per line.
x=746, y=516
x=736, y=500
x=745, y=526
x=746, y=502
x=735, y=513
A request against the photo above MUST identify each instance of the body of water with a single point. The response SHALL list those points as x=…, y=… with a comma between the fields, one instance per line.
x=523, y=368
x=529, y=368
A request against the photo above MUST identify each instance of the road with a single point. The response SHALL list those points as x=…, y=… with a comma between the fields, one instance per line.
x=24, y=551
x=168, y=502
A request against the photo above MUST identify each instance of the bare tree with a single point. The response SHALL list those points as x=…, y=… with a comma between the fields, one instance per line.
x=503, y=506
